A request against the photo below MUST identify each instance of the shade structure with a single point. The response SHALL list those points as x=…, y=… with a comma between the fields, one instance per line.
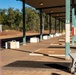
x=54, y=7
x=60, y=9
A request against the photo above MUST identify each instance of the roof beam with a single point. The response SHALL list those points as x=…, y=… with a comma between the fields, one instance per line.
x=56, y=13
x=61, y=16
x=53, y=7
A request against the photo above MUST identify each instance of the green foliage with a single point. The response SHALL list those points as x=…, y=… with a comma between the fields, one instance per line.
x=2, y=15
x=5, y=27
x=32, y=19
x=13, y=19
x=10, y=17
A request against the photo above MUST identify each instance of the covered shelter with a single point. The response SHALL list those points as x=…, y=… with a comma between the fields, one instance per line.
x=63, y=10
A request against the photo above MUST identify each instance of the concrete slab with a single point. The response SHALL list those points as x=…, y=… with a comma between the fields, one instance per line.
x=19, y=62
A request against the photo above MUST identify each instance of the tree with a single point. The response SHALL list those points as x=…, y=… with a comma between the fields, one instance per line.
x=2, y=15
x=10, y=17
x=32, y=19
x=18, y=19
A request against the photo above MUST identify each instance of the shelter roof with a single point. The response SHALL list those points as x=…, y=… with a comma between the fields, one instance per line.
x=54, y=7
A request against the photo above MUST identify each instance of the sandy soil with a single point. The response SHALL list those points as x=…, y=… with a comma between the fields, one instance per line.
x=14, y=33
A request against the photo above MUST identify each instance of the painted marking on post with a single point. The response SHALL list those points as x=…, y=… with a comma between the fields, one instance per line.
x=68, y=33
x=74, y=31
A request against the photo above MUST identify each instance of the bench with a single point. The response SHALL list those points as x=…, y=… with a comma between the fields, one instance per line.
x=73, y=64
x=46, y=37
x=34, y=40
x=51, y=35
x=12, y=44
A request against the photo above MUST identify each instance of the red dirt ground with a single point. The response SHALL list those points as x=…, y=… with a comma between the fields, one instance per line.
x=14, y=32
x=9, y=32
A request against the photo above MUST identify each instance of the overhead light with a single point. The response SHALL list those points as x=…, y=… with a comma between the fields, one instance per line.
x=57, y=15
x=41, y=3
x=51, y=11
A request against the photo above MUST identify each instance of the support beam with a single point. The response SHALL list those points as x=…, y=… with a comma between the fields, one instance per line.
x=61, y=6
x=51, y=7
x=50, y=25
x=57, y=13
x=73, y=19
x=75, y=22
x=48, y=21
x=67, y=52
x=55, y=25
x=75, y=28
x=59, y=26
x=62, y=26
x=43, y=19
x=60, y=16
x=40, y=24
x=24, y=31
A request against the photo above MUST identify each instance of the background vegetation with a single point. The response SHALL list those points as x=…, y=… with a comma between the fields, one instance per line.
x=12, y=19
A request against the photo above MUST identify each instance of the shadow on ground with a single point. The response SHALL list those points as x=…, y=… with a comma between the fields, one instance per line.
x=64, y=66
x=61, y=46
x=55, y=74
x=21, y=50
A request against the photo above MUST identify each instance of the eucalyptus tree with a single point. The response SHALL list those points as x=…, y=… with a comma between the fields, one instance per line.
x=2, y=15
x=10, y=17
x=32, y=19
x=18, y=20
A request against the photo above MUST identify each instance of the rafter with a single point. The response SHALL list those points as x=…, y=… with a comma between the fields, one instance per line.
x=61, y=6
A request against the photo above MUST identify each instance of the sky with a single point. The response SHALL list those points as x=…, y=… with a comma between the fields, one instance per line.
x=5, y=4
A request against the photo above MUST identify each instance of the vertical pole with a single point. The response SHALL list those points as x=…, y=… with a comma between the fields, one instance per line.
x=0, y=34
x=40, y=24
x=48, y=21
x=49, y=25
x=59, y=26
x=67, y=29
x=73, y=13
x=62, y=27
x=43, y=22
x=75, y=27
x=0, y=41
x=24, y=36
x=55, y=25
